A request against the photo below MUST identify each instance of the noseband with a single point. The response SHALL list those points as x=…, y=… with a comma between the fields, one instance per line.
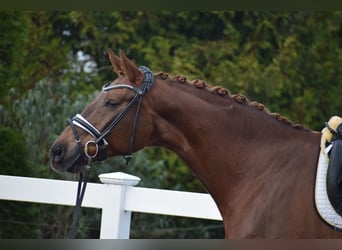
x=99, y=141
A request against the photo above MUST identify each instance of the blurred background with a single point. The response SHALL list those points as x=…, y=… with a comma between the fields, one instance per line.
x=53, y=63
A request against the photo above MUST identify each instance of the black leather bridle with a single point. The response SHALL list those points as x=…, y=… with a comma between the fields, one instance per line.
x=79, y=121
x=99, y=137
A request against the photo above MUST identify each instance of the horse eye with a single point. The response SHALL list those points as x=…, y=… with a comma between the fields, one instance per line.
x=111, y=103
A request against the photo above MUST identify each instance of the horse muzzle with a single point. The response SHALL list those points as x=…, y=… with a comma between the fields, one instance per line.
x=62, y=160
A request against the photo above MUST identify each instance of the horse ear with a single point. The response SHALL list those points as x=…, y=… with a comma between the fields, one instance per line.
x=132, y=72
x=115, y=61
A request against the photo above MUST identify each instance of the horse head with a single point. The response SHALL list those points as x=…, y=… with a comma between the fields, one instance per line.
x=108, y=125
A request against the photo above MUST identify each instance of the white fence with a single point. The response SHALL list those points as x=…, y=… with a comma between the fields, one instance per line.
x=117, y=197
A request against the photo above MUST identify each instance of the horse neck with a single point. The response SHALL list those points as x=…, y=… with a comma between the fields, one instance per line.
x=222, y=141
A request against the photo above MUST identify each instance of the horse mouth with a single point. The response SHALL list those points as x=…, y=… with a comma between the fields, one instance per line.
x=62, y=161
x=76, y=165
x=73, y=166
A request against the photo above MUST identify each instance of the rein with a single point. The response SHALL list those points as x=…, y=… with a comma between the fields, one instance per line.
x=100, y=141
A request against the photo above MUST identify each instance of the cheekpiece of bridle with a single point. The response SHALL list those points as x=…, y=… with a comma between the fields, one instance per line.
x=99, y=141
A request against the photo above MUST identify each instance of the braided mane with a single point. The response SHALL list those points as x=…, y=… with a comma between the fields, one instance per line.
x=223, y=92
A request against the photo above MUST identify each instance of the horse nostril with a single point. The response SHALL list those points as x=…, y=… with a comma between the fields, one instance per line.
x=57, y=153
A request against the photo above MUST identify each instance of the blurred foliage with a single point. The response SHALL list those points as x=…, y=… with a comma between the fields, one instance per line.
x=13, y=218
x=53, y=63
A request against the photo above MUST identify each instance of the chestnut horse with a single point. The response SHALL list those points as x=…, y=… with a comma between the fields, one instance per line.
x=258, y=166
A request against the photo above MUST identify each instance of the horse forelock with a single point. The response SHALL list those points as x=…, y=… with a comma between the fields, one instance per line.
x=223, y=92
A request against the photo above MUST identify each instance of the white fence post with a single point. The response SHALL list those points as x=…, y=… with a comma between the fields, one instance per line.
x=115, y=221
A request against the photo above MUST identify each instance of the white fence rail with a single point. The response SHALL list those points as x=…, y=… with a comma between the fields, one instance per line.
x=117, y=197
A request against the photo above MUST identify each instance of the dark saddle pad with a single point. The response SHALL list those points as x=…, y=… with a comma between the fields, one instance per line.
x=334, y=176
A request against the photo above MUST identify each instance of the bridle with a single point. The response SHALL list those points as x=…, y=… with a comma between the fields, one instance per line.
x=79, y=121
x=99, y=141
